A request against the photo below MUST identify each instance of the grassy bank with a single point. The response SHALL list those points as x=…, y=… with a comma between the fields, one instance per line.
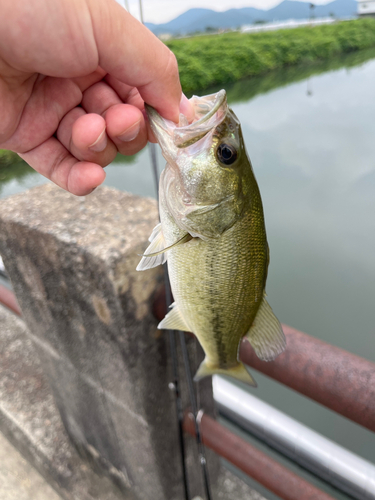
x=217, y=60
x=245, y=89
x=8, y=157
x=14, y=171
x=212, y=60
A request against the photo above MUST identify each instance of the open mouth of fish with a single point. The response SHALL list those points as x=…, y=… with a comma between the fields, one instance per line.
x=210, y=111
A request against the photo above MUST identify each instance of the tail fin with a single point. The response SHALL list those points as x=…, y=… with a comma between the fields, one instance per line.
x=239, y=372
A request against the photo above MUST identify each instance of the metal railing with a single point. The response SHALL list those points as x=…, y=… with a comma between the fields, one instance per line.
x=337, y=379
x=321, y=456
x=327, y=374
x=253, y=462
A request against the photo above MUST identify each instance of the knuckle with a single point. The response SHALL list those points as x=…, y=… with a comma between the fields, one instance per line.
x=172, y=65
x=132, y=149
x=55, y=173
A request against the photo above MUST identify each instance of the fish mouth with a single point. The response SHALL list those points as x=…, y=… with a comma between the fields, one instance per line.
x=210, y=111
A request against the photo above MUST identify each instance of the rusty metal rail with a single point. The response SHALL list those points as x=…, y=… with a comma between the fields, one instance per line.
x=327, y=374
x=8, y=299
x=253, y=462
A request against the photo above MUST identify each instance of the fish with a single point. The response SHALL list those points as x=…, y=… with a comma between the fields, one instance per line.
x=212, y=234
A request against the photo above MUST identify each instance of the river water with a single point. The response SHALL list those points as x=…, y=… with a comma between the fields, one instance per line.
x=310, y=133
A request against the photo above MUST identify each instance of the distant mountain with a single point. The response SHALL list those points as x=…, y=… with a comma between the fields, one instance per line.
x=201, y=19
x=191, y=16
x=299, y=10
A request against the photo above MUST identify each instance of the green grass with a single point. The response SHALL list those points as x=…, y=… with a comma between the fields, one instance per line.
x=205, y=61
x=247, y=88
x=17, y=170
x=8, y=157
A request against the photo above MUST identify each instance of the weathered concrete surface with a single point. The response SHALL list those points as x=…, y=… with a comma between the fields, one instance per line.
x=18, y=480
x=30, y=419
x=72, y=263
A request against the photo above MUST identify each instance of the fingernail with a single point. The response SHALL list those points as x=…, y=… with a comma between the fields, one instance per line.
x=186, y=108
x=100, y=143
x=130, y=133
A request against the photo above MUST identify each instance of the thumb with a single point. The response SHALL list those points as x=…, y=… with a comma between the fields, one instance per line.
x=131, y=53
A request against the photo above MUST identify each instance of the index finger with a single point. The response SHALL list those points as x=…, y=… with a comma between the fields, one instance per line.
x=131, y=53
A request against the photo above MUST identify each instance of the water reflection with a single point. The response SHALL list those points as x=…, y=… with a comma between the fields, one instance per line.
x=314, y=158
x=245, y=90
x=17, y=177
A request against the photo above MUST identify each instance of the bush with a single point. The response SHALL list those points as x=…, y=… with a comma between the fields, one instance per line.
x=212, y=60
x=8, y=157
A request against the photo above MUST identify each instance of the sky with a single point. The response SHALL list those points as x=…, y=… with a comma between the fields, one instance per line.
x=162, y=11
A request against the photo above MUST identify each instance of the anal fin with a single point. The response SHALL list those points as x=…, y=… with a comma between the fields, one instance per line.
x=266, y=335
x=174, y=320
x=239, y=372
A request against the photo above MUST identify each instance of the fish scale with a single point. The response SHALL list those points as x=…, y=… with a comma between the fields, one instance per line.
x=233, y=292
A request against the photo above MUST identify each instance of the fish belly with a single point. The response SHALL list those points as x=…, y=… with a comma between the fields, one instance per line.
x=218, y=286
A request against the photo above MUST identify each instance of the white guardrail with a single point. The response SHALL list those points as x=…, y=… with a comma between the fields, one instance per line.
x=326, y=459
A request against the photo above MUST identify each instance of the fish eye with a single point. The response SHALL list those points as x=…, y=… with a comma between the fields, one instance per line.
x=226, y=154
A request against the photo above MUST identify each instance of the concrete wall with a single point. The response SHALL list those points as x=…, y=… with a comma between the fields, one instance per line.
x=72, y=263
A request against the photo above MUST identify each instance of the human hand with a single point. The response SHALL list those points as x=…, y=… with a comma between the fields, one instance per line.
x=74, y=76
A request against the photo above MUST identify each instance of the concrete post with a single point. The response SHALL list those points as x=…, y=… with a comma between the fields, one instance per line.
x=72, y=264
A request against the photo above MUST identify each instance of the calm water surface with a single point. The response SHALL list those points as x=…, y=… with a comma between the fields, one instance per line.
x=311, y=136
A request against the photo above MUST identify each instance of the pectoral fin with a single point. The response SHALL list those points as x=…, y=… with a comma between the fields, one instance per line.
x=187, y=237
x=156, y=248
x=156, y=252
x=174, y=320
x=239, y=372
x=266, y=335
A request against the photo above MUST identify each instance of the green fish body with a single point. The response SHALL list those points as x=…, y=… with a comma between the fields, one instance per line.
x=212, y=232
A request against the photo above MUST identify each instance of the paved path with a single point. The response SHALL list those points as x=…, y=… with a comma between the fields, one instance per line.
x=18, y=480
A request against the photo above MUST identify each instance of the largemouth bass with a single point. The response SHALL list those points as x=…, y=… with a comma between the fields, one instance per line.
x=212, y=232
